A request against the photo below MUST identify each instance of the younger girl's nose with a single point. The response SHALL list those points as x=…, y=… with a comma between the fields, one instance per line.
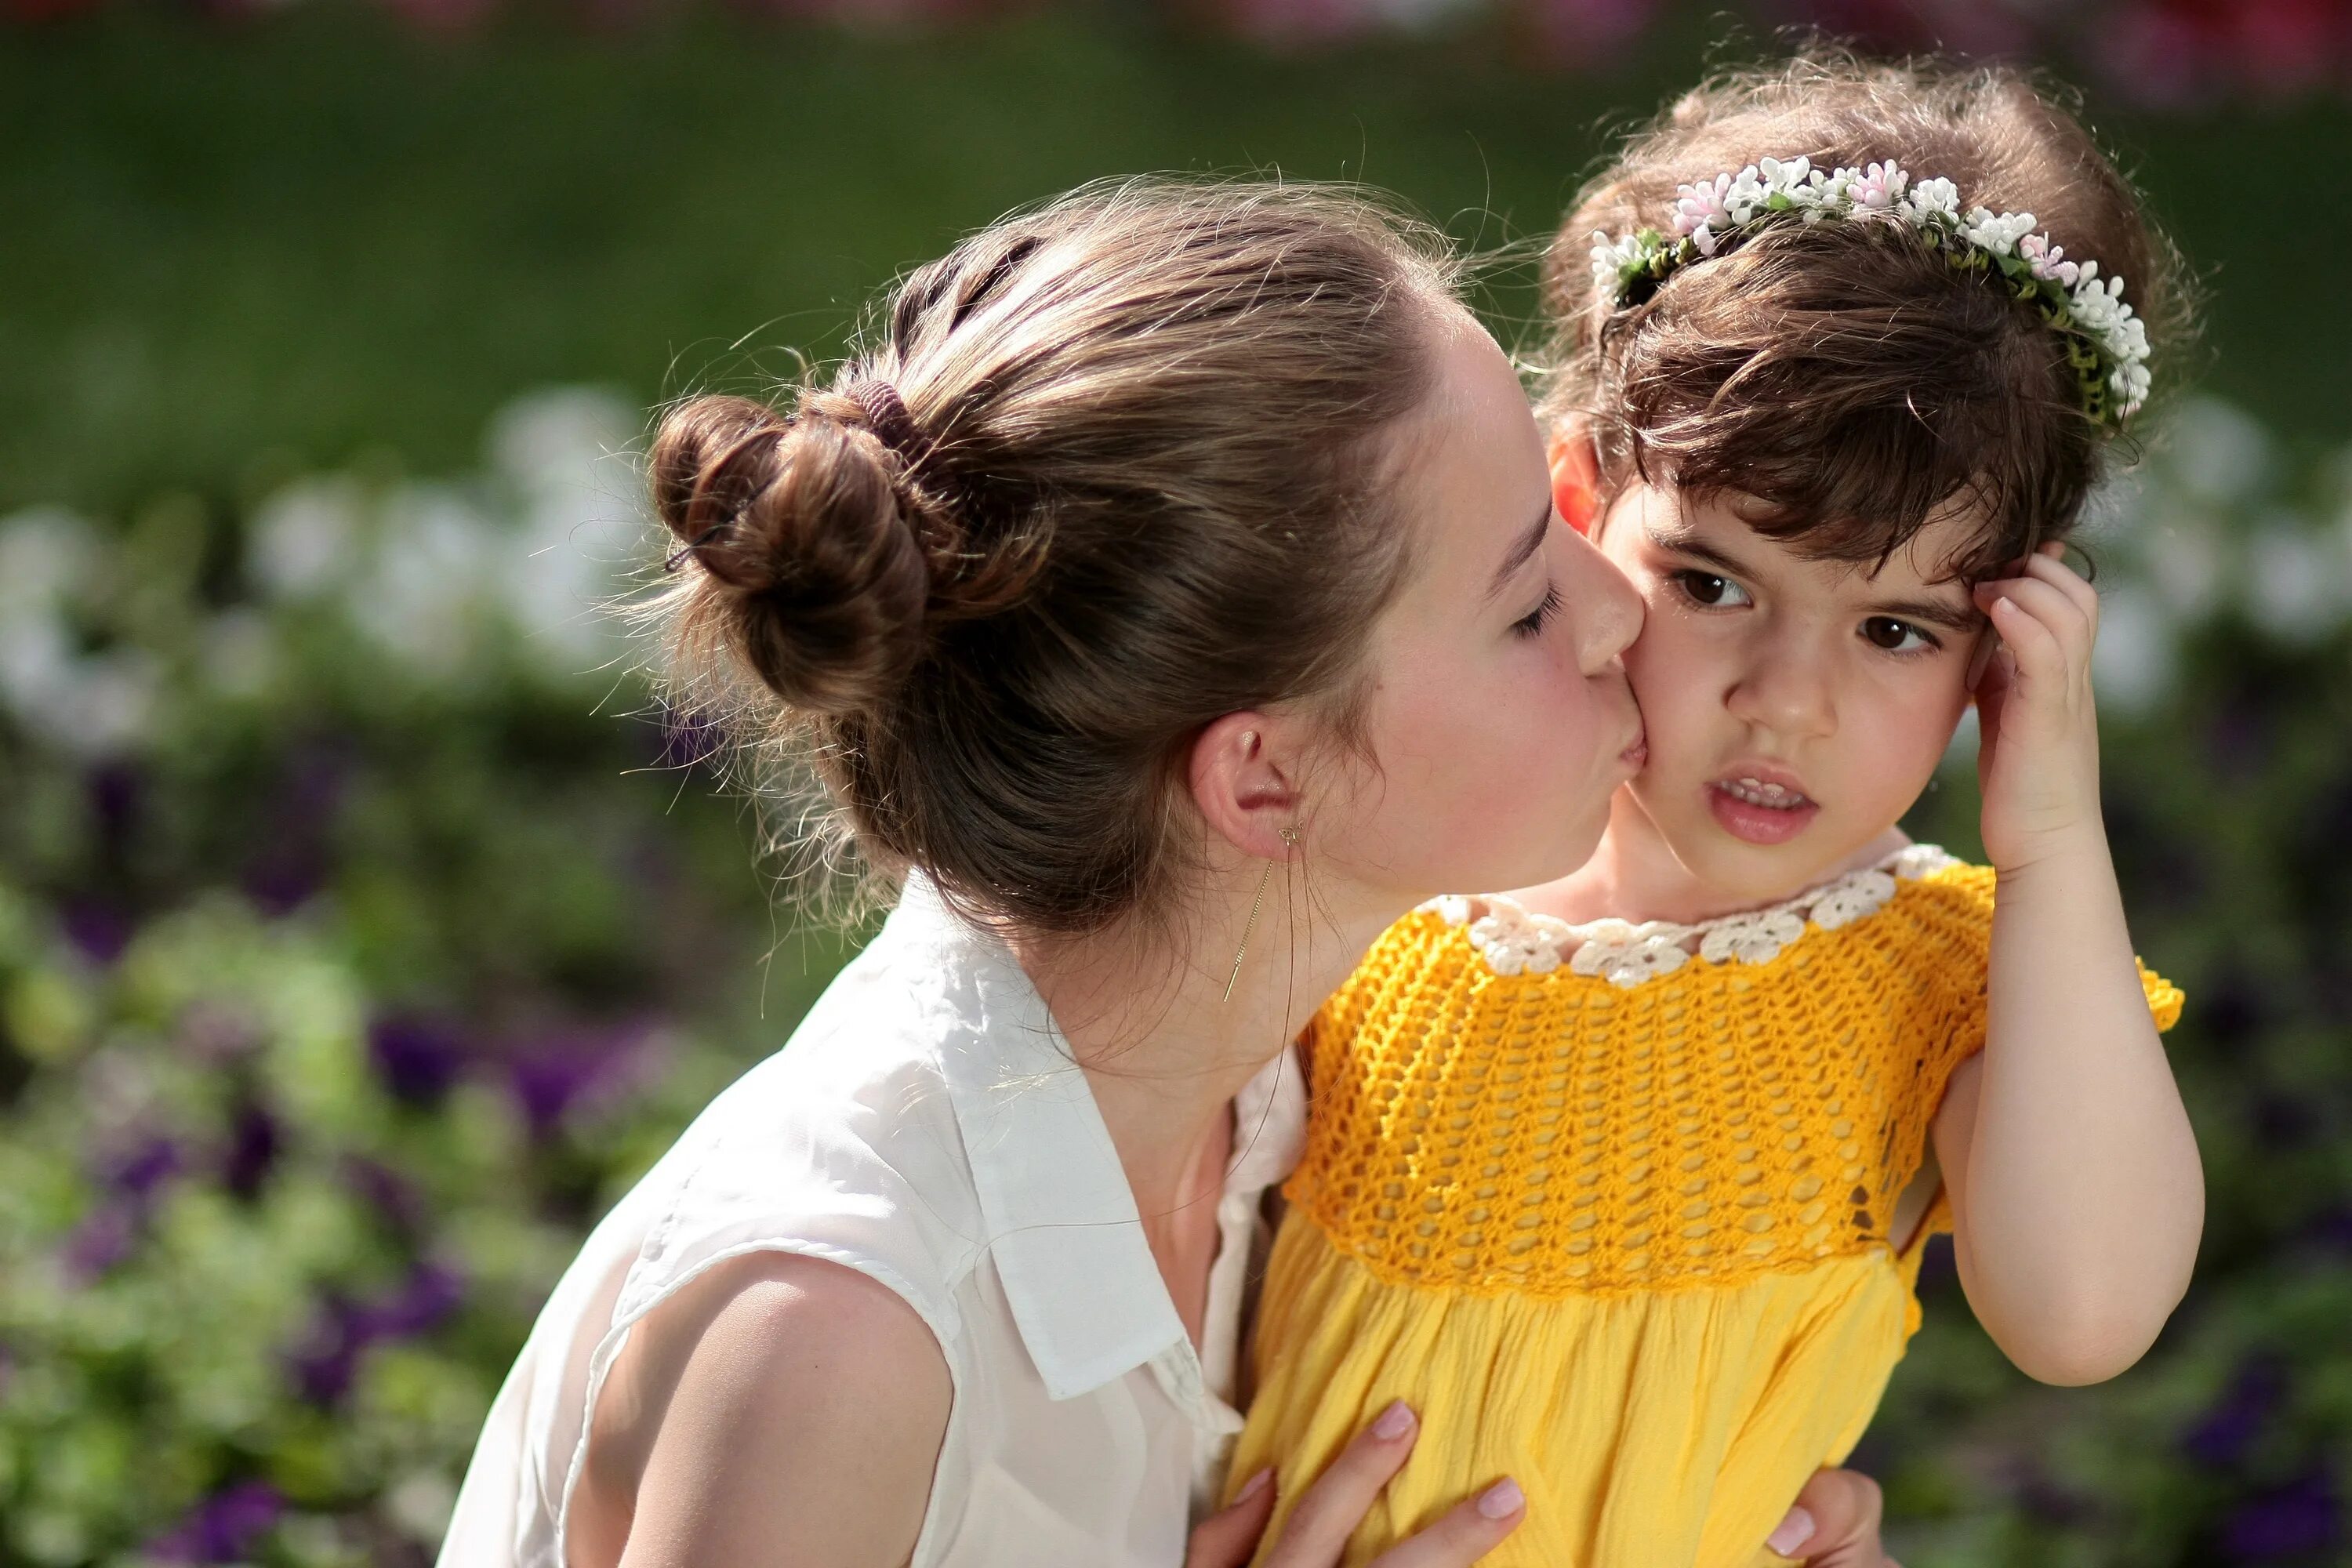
x=1786, y=693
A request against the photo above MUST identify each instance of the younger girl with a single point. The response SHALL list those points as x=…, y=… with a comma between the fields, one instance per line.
x=1623, y=1179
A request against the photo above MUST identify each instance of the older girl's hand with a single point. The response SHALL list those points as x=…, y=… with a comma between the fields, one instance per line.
x=1330, y=1511
x=1834, y=1524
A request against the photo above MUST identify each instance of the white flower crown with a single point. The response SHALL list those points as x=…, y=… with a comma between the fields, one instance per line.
x=2106, y=343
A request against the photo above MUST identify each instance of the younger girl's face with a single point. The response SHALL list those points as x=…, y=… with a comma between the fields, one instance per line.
x=1499, y=721
x=1796, y=707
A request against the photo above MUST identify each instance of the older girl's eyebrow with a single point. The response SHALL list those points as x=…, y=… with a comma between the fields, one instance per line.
x=1523, y=550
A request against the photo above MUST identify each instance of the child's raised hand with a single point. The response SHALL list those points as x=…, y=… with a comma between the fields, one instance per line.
x=2038, y=759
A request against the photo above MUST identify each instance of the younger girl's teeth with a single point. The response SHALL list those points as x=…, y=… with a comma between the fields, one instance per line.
x=1756, y=792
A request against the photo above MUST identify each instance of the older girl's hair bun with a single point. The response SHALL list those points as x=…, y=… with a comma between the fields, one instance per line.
x=811, y=570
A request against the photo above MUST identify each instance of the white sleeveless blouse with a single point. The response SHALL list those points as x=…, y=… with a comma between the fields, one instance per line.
x=926, y=1126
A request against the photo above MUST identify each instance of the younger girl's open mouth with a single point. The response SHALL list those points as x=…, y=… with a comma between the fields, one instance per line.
x=1759, y=807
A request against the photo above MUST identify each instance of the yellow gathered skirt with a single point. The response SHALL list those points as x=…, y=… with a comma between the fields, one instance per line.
x=1668, y=1429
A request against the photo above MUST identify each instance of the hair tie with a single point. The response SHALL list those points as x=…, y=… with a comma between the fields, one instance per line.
x=886, y=416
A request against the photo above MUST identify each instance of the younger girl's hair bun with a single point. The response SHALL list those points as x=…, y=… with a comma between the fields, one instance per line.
x=811, y=570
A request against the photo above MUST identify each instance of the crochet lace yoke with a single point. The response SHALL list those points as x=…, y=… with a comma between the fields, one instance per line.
x=1505, y=1101
x=1517, y=940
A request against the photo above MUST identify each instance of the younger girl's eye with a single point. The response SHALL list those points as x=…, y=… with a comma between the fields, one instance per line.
x=1705, y=588
x=1533, y=622
x=1896, y=637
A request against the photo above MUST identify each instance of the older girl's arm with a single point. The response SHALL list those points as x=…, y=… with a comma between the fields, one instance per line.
x=803, y=1428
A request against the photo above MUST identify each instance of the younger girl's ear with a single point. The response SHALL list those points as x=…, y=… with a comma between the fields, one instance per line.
x=1575, y=475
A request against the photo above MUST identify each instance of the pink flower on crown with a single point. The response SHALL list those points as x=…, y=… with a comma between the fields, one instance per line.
x=1880, y=186
x=2048, y=260
x=1700, y=207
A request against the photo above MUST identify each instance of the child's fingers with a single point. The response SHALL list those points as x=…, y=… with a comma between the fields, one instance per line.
x=2041, y=605
x=2048, y=567
x=1463, y=1533
x=2037, y=653
x=1328, y=1511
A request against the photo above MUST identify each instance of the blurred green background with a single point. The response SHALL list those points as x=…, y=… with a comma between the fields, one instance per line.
x=365, y=928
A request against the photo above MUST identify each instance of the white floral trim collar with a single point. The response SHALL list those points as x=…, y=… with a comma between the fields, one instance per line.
x=1515, y=940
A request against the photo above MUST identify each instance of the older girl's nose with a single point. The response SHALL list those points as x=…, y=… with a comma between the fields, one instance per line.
x=1605, y=609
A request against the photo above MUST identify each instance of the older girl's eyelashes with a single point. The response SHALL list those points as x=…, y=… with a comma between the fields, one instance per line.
x=1898, y=637
x=1708, y=590
x=1533, y=622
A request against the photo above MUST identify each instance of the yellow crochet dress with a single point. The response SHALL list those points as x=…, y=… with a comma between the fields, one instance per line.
x=1609, y=1206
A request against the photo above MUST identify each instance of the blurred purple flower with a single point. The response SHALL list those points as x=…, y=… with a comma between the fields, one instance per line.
x=558, y=1070
x=225, y=1527
x=324, y=1364
x=103, y=1239
x=688, y=738
x=2301, y=1520
x=1959, y=26
x=115, y=789
x=1587, y=32
x=293, y=861
x=2332, y=1229
x=253, y=1141
x=2228, y=1432
x=431, y=1293
x=108, y=1233
x=417, y=1056
x=98, y=926
x=389, y=1192
x=140, y=1172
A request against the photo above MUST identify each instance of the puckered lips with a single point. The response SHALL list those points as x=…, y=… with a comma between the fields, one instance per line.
x=1757, y=803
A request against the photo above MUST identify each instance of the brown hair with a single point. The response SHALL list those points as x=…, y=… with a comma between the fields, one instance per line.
x=1843, y=373
x=1108, y=470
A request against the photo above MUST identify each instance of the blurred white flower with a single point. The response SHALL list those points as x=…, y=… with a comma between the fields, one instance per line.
x=308, y=538
x=569, y=455
x=2133, y=662
x=419, y=1505
x=2217, y=452
x=85, y=704
x=110, y=705
x=431, y=577
x=2298, y=583
x=45, y=558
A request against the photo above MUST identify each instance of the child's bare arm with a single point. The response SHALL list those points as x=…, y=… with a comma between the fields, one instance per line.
x=2073, y=1175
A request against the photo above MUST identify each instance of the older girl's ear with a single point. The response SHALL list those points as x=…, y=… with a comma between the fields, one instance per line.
x=1575, y=475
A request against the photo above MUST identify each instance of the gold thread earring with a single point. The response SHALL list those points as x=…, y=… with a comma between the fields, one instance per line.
x=1290, y=840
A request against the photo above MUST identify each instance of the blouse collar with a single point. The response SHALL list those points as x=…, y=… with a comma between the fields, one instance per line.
x=1062, y=1223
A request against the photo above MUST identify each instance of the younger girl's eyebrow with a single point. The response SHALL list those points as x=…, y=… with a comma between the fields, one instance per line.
x=1933, y=612
x=1687, y=542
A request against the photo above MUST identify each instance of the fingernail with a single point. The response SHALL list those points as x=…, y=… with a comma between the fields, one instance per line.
x=1794, y=1531
x=1394, y=1422
x=1502, y=1499
x=1254, y=1485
